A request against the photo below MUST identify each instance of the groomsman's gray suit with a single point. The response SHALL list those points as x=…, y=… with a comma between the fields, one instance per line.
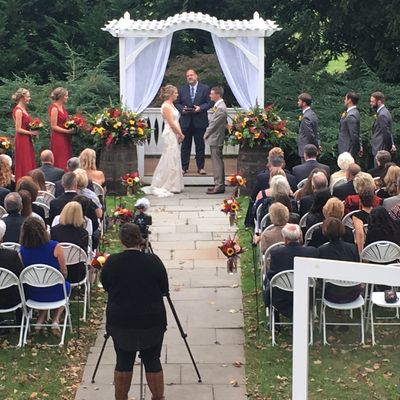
x=349, y=133
x=308, y=131
x=382, y=138
x=214, y=137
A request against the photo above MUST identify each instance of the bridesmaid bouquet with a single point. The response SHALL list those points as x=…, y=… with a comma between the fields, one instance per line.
x=99, y=259
x=36, y=124
x=231, y=249
x=78, y=121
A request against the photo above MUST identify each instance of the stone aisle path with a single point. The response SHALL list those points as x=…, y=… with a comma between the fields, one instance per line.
x=187, y=228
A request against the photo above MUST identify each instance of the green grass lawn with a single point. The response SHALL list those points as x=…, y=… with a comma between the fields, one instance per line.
x=344, y=370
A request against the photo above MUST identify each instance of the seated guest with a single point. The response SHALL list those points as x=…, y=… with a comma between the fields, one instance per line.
x=14, y=219
x=290, y=204
x=333, y=208
x=381, y=227
x=27, y=183
x=72, y=164
x=37, y=248
x=279, y=216
x=51, y=173
x=9, y=259
x=71, y=229
x=27, y=205
x=380, y=181
x=360, y=218
x=307, y=188
x=82, y=182
x=390, y=180
x=310, y=156
x=282, y=259
x=338, y=249
x=263, y=194
x=344, y=160
x=38, y=177
x=319, y=181
x=5, y=180
x=87, y=160
x=347, y=189
x=382, y=158
x=362, y=181
x=315, y=214
x=390, y=202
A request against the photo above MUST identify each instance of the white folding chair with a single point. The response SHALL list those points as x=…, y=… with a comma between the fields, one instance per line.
x=2, y=211
x=302, y=183
x=284, y=281
x=42, y=276
x=350, y=306
x=73, y=255
x=7, y=280
x=365, y=229
x=98, y=189
x=338, y=183
x=10, y=246
x=44, y=206
x=303, y=220
x=50, y=187
x=348, y=219
x=266, y=259
x=257, y=220
x=44, y=197
x=310, y=231
x=100, y=193
x=263, y=223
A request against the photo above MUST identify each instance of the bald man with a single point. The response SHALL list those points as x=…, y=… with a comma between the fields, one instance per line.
x=51, y=173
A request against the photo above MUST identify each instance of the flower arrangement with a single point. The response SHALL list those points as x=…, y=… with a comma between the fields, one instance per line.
x=231, y=249
x=99, y=259
x=122, y=215
x=115, y=125
x=78, y=122
x=133, y=183
x=5, y=143
x=230, y=206
x=255, y=127
x=236, y=180
x=36, y=124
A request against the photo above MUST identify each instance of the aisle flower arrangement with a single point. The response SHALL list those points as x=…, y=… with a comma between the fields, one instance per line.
x=236, y=180
x=115, y=125
x=231, y=249
x=5, y=143
x=99, y=259
x=230, y=207
x=133, y=183
x=256, y=127
x=121, y=215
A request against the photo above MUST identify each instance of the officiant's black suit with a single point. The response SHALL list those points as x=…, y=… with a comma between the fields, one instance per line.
x=193, y=124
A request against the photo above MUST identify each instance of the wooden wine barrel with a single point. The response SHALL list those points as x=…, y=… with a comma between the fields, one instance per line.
x=250, y=162
x=115, y=161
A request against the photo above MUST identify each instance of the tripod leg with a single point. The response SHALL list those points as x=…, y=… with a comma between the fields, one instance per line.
x=106, y=336
x=184, y=336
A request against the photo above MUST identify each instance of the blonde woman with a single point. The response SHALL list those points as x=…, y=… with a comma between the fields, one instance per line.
x=168, y=175
x=61, y=138
x=82, y=182
x=87, y=160
x=71, y=229
x=391, y=177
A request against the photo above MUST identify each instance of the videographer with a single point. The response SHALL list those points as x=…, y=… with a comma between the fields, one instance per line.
x=136, y=319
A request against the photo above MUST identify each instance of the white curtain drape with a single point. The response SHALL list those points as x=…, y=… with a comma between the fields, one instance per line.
x=238, y=63
x=148, y=60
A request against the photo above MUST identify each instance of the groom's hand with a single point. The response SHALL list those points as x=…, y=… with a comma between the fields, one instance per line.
x=197, y=109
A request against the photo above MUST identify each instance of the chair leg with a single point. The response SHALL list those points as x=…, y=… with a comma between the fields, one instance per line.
x=64, y=327
x=21, y=331
x=323, y=317
x=311, y=326
x=28, y=317
x=362, y=325
x=84, y=302
x=372, y=325
x=272, y=316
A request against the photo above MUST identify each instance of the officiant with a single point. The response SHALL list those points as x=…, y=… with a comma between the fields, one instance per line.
x=193, y=103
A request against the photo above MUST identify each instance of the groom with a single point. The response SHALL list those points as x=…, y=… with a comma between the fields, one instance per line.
x=214, y=137
x=193, y=104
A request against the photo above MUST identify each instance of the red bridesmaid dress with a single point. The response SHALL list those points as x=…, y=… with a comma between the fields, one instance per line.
x=61, y=143
x=24, y=155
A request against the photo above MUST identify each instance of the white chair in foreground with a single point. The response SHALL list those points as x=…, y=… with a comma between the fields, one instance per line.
x=350, y=306
x=10, y=246
x=284, y=281
x=73, y=255
x=41, y=276
x=7, y=280
x=382, y=252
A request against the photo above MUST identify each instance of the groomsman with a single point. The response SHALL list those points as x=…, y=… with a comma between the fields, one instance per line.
x=193, y=103
x=308, y=127
x=214, y=137
x=382, y=138
x=349, y=129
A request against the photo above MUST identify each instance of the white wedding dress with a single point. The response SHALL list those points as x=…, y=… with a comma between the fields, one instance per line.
x=168, y=176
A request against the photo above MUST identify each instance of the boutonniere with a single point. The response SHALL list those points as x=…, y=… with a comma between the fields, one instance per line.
x=301, y=117
x=214, y=109
x=376, y=116
x=343, y=115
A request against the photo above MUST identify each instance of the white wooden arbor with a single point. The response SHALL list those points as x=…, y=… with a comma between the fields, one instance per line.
x=246, y=37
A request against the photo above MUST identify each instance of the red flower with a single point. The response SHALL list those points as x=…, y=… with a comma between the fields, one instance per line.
x=116, y=113
x=109, y=140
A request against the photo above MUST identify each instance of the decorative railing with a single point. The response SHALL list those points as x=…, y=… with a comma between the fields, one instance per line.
x=155, y=144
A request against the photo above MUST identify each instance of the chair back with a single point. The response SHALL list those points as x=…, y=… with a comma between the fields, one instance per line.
x=41, y=275
x=2, y=211
x=267, y=255
x=98, y=189
x=283, y=280
x=45, y=197
x=10, y=246
x=382, y=252
x=338, y=183
x=44, y=206
x=303, y=220
x=73, y=254
x=263, y=223
x=50, y=187
x=310, y=231
x=269, y=227
x=7, y=279
x=302, y=183
x=348, y=219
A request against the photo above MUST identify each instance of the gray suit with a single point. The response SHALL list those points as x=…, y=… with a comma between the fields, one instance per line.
x=349, y=133
x=214, y=137
x=308, y=131
x=390, y=202
x=382, y=138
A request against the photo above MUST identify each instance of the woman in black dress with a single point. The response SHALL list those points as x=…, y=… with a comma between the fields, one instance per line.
x=136, y=319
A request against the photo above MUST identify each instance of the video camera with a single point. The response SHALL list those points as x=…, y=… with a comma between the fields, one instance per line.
x=143, y=220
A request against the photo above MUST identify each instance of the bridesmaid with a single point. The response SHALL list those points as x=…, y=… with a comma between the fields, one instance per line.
x=61, y=138
x=24, y=155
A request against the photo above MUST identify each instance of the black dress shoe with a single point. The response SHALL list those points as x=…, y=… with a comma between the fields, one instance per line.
x=215, y=191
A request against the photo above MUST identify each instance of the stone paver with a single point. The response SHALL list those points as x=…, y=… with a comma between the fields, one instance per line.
x=187, y=228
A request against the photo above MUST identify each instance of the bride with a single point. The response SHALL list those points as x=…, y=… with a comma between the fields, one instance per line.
x=168, y=177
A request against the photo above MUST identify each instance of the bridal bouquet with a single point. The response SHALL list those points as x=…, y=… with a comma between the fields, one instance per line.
x=257, y=126
x=230, y=206
x=232, y=250
x=115, y=125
